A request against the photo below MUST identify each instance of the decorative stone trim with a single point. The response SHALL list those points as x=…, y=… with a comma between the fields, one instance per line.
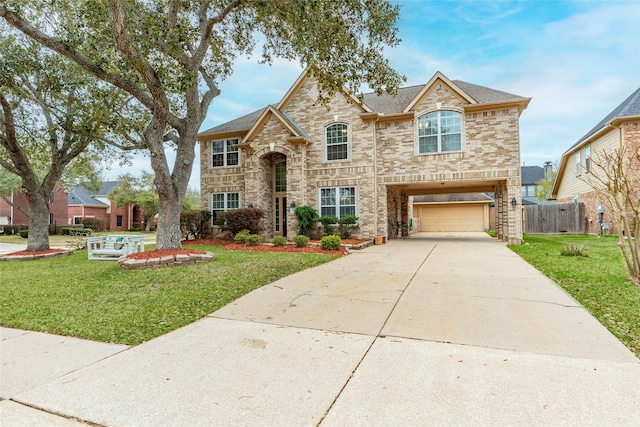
x=36, y=256
x=165, y=261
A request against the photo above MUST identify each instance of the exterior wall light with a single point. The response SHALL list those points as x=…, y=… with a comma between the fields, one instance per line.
x=514, y=202
x=250, y=205
x=293, y=205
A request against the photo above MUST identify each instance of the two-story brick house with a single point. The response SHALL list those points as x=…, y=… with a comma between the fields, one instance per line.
x=619, y=129
x=368, y=156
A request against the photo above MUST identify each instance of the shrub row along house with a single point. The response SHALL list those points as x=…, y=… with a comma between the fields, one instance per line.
x=620, y=129
x=370, y=156
x=71, y=207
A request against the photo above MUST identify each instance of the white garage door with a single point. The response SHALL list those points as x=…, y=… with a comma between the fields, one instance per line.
x=460, y=217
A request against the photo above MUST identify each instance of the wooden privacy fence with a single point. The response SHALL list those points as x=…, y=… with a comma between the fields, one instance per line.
x=558, y=218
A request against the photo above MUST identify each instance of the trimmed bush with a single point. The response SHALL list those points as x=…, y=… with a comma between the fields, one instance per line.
x=24, y=233
x=193, y=224
x=347, y=225
x=331, y=243
x=300, y=241
x=328, y=224
x=241, y=237
x=76, y=231
x=240, y=219
x=96, y=224
x=253, y=240
x=278, y=241
x=307, y=219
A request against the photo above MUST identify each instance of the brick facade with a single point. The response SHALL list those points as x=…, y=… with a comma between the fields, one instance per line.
x=382, y=164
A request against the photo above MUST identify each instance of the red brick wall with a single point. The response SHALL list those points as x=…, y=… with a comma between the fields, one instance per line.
x=58, y=207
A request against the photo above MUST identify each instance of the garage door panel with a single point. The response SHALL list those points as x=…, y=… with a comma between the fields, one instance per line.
x=452, y=218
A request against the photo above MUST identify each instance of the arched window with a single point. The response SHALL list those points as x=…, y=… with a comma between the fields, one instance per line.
x=337, y=142
x=440, y=131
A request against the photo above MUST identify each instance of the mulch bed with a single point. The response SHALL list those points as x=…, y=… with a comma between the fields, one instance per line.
x=163, y=252
x=230, y=245
x=46, y=251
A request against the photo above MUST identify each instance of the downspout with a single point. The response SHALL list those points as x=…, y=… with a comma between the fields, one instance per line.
x=375, y=176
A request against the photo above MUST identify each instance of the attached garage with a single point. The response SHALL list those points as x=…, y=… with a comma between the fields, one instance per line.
x=452, y=212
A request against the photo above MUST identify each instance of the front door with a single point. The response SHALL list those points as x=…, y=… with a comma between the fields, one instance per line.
x=280, y=199
x=280, y=215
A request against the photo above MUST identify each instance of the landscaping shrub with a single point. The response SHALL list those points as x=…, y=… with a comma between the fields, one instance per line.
x=24, y=233
x=307, y=219
x=573, y=250
x=347, y=225
x=328, y=224
x=240, y=219
x=279, y=241
x=194, y=223
x=96, y=224
x=253, y=240
x=300, y=241
x=331, y=243
x=76, y=231
x=241, y=236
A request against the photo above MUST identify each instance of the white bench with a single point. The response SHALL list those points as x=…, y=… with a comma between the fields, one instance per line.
x=113, y=246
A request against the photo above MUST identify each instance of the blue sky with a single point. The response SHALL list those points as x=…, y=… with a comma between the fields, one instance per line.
x=577, y=60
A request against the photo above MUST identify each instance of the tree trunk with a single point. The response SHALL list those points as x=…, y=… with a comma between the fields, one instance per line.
x=38, y=222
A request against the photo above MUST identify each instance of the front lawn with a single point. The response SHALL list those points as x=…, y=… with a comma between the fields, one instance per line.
x=100, y=301
x=598, y=281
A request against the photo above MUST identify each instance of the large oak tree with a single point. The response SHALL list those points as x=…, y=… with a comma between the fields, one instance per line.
x=54, y=119
x=170, y=56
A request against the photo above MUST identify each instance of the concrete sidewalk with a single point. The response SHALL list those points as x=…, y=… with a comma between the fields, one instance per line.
x=442, y=329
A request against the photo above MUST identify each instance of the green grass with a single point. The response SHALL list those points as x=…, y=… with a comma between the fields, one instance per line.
x=58, y=240
x=100, y=301
x=598, y=280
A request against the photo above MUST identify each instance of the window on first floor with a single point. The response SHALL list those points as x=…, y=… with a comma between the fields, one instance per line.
x=119, y=221
x=77, y=220
x=224, y=202
x=338, y=201
x=440, y=131
x=51, y=219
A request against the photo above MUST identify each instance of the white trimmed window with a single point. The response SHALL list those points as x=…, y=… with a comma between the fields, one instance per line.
x=578, y=162
x=225, y=153
x=338, y=201
x=440, y=131
x=587, y=157
x=224, y=201
x=337, y=142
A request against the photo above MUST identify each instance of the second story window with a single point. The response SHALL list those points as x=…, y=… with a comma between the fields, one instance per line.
x=337, y=142
x=440, y=131
x=587, y=157
x=224, y=153
x=578, y=162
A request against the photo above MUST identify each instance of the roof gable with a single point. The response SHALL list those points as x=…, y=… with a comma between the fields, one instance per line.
x=630, y=107
x=438, y=77
x=280, y=116
x=531, y=174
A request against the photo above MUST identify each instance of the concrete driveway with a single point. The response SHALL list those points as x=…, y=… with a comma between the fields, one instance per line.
x=440, y=329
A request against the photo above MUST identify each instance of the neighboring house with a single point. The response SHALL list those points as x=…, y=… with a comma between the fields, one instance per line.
x=530, y=176
x=368, y=156
x=620, y=128
x=83, y=204
x=11, y=212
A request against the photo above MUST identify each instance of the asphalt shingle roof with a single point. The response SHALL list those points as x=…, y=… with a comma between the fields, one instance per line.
x=385, y=103
x=531, y=174
x=629, y=107
x=81, y=196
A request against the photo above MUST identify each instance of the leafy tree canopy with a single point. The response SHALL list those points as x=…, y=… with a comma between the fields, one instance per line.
x=170, y=55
